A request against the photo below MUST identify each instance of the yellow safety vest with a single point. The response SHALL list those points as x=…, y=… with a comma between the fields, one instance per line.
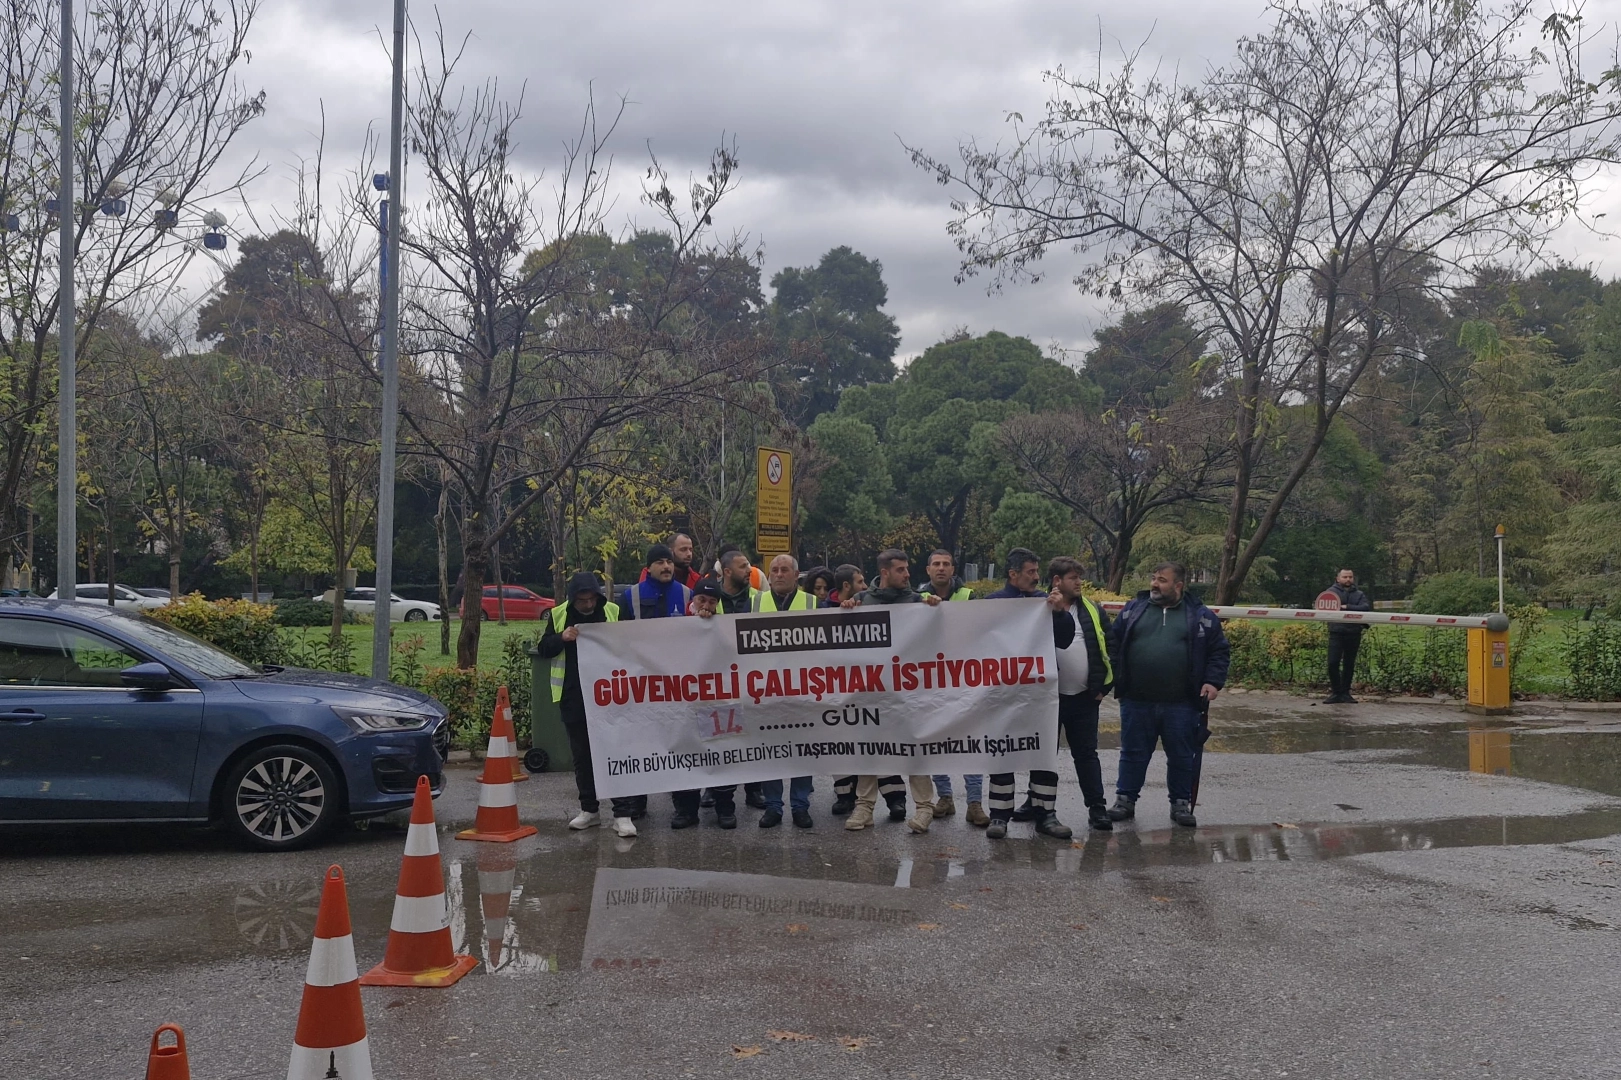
x=1103, y=642
x=802, y=601
x=559, y=662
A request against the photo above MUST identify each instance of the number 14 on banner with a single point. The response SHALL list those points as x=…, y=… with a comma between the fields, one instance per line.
x=719, y=723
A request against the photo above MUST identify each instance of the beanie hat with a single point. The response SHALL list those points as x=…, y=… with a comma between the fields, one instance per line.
x=658, y=552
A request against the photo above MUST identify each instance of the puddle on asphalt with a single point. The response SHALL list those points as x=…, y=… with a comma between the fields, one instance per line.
x=571, y=901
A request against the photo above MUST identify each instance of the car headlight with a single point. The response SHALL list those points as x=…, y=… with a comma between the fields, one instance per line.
x=368, y=722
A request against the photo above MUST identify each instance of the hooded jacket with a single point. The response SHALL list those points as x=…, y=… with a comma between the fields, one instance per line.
x=1352, y=599
x=1208, y=652
x=552, y=643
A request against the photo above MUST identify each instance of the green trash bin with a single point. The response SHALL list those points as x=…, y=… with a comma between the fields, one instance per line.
x=549, y=749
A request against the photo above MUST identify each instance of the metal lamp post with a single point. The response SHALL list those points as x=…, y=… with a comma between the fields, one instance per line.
x=67, y=450
x=390, y=361
x=1500, y=536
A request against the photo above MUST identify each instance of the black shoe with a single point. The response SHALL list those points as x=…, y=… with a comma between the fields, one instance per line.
x=637, y=815
x=1027, y=812
x=706, y=800
x=1098, y=817
x=897, y=809
x=1124, y=809
x=1347, y=699
x=802, y=819
x=726, y=817
x=771, y=819
x=1182, y=813
x=997, y=829
x=1335, y=699
x=843, y=805
x=683, y=820
x=754, y=800
x=1049, y=825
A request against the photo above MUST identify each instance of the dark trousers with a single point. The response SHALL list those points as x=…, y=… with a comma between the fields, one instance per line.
x=1342, y=661
x=1078, y=713
x=1043, y=791
x=686, y=802
x=1172, y=724
x=585, y=779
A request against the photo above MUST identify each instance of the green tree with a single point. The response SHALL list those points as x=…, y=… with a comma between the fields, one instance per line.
x=854, y=489
x=938, y=422
x=1027, y=520
x=828, y=317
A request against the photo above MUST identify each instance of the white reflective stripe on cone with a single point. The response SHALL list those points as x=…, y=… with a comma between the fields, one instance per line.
x=493, y=795
x=332, y=961
x=420, y=914
x=499, y=747
x=421, y=840
x=353, y=1062
x=496, y=882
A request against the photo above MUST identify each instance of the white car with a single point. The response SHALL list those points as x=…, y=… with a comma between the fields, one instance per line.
x=95, y=592
x=364, y=602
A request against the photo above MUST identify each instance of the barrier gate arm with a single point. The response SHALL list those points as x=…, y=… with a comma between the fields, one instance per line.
x=1488, y=641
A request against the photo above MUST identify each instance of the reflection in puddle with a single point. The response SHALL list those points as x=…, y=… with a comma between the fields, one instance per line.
x=649, y=918
x=277, y=915
x=1490, y=751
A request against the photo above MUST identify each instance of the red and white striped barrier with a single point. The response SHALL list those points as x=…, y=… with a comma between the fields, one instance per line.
x=1369, y=618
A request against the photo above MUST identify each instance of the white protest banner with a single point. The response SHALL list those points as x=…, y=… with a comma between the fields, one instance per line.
x=907, y=689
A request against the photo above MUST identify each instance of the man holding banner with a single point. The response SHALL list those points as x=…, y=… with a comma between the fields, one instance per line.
x=785, y=595
x=944, y=583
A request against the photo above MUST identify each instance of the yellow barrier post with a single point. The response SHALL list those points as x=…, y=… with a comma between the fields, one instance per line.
x=1489, y=669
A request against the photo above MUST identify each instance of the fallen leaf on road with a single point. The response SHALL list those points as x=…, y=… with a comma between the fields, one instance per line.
x=928, y=926
x=1284, y=825
x=852, y=1042
x=790, y=1036
x=798, y=927
x=953, y=905
x=1162, y=899
x=746, y=1051
x=1077, y=926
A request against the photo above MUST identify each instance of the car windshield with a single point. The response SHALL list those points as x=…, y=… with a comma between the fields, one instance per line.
x=195, y=653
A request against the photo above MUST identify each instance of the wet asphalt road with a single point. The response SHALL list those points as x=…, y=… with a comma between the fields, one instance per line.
x=1355, y=903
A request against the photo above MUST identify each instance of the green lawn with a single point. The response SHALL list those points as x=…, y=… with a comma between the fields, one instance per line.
x=490, y=640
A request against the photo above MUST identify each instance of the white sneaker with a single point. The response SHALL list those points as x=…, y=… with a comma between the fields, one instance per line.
x=625, y=827
x=585, y=819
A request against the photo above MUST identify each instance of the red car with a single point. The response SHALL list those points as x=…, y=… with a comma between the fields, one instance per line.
x=519, y=602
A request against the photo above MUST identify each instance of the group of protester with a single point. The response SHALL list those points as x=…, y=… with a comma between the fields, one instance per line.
x=1165, y=657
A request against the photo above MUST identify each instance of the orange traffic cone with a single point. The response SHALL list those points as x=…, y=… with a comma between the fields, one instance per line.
x=168, y=1062
x=420, y=952
x=331, y=1036
x=503, y=710
x=496, y=869
x=497, y=799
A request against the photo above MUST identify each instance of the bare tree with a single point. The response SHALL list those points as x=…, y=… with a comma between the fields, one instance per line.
x=158, y=104
x=522, y=361
x=1301, y=200
x=1118, y=468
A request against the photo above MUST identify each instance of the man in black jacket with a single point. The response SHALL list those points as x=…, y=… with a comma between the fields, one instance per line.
x=1084, y=677
x=1170, y=661
x=1344, y=639
x=1041, y=803
x=587, y=603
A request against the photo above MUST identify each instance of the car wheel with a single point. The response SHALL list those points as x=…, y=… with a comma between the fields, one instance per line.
x=416, y=614
x=280, y=798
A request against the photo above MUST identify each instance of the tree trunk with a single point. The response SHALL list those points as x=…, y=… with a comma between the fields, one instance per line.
x=439, y=533
x=253, y=559
x=337, y=600
x=1118, y=558
x=475, y=568
x=112, y=571
x=174, y=573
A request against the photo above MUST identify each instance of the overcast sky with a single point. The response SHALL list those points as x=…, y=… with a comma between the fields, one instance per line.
x=818, y=96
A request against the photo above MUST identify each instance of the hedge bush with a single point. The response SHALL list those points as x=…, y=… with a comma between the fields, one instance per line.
x=1461, y=593
x=301, y=611
x=242, y=628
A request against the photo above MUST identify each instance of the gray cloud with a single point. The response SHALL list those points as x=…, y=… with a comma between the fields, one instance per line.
x=818, y=97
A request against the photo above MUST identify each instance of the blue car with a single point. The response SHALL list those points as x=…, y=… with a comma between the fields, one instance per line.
x=108, y=715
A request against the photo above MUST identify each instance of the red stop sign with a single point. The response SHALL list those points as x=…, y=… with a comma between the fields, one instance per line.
x=1327, y=600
